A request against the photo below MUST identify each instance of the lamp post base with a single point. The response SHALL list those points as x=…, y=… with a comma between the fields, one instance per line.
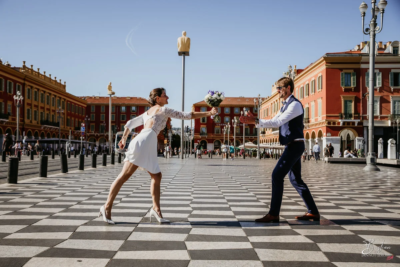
x=371, y=163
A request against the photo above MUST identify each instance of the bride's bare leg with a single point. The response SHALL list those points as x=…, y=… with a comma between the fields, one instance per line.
x=124, y=175
x=156, y=191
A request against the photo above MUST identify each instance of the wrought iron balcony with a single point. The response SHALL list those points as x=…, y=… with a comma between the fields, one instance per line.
x=4, y=116
x=349, y=116
x=49, y=123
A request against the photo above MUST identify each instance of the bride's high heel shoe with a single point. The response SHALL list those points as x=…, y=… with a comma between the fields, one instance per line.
x=103, y=213
x=158, y=218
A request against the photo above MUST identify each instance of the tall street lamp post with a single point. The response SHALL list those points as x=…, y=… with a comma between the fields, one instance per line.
x=183, y=51
x=257, y=105
x=18, y=98
x=59, y=112
x=228, y=149
x=87, y=121
x=372, y=31
x=103, y=131
x=244, y=113
x=234, y=123
x=110, y=94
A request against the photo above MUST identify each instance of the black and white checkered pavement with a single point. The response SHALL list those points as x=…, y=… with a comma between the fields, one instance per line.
x=212, y=205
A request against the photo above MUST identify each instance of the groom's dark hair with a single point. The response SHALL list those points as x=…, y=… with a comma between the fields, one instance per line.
x=285, y=82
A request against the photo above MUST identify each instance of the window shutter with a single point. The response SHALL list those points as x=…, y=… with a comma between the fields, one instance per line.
x=341, y=79
x=379, y=79
x=353, y=79
x=391, y=79
x=367, y=79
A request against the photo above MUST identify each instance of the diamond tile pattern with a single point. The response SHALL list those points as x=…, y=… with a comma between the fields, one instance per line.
x=212, y=205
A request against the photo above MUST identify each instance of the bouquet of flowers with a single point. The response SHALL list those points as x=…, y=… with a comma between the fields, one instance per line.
x=214, y=99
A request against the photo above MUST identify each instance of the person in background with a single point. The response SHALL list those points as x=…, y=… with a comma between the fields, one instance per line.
x=37, y=148
x=316, y=150
x=326, y=152
x=347, y=154
x=305, y=155
x=331, y=149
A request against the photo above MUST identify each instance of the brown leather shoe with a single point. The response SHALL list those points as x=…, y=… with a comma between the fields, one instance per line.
x=268, y=218
x=308, y=216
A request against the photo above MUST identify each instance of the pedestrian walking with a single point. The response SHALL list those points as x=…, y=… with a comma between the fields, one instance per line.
x=326, y=152
x=37, y=148
x=331, y=149
x=142, y=150
x=304, y=155
x=290, y=121
x=316, y=150
x=7, y=144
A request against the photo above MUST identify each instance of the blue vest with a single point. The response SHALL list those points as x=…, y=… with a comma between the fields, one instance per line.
x=296, y=125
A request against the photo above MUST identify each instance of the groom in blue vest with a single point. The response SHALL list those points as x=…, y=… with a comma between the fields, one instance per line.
x=290, y=123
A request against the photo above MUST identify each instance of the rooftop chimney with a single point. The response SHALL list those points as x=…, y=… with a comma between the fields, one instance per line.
x=380, y=45
x=388, y=43
x=362, y=45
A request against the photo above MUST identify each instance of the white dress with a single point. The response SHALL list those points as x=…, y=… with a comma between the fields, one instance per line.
x=142, y=150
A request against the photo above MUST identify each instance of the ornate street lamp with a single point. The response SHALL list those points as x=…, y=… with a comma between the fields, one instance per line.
x=234, y=123
x=372, y=31
x=110, y=93
x=257, y=105
x=87, y=121
x=18, y=98
x=244, y=113
x=59, y=112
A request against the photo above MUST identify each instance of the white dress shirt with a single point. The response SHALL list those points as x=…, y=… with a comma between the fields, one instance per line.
x=282, y=119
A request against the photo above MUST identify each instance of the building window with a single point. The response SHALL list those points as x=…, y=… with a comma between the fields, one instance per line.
x=113, y=109
x=35, y=115
x=48, y=116
x=217, y=130
x=236, y=110
x=92, y=107
x=307, y=92
x=102, y=128
x=301, y=93
x=238, y=130
x=312, y=110
x=35, y=96
x=348, y=107
x=53, y=102
x=42, y=98
x=29, y=114
x=113, y=117
x=219, y=110
x=28, y=93
x=9, y=109
x=133, y=116
x=52, y=118
x=306, y=112
x=394, y=79
x=10, y=87
x=319, y=108
x=1, y=107
x=63, y=105
x=297, y=93
x=203, y=120
x=41, y=116
x=376, y=105
x=68, y=122
x=203, y=109
x=313, y=87
x=133, y=109
x=203, y=130
x=103, y=108
x=227, y=119
x=123, y=109
x=48, y=100
x=92, y=128
x=377, y=79
x=348, y=79
x=19, y=88
x=92, y=117
x=227, y=110
x=319, y=88
x=58, y=102
x=396, y=106
x=395, y=50
x=146, y=108
x=1, y=85
x=247, y=131
x=123, y=117
x=102, y=117
x=76, y=123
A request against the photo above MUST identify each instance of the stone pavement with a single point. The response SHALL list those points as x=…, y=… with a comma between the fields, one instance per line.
x=212, y=204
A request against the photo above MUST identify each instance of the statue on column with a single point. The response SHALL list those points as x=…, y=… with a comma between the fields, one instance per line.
x=110, y=91
x=183, y=44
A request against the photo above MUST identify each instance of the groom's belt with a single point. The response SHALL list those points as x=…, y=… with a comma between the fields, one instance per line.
x=295, y=141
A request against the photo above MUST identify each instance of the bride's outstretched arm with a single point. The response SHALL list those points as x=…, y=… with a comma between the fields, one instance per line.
x=197, y=115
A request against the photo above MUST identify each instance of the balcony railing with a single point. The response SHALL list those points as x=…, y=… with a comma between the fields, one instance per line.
x=203, y=134
x=4, y=116
x=394, y=117
x=349, y=116
x=49, y=123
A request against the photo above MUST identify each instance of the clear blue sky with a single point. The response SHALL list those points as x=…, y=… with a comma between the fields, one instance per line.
x=239, y=47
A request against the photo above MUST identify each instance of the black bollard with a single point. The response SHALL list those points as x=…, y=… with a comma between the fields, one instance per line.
x=28, y=153
x=43, y=166
x=69, y=154
x=210, y=155
x=52, y=154
x=260, y=156
x=94, y=160
x=32, y=155
x=104, y=159
x=12, y=177
x=64, y=163
x=75, y=152
x=81, y=166
x=119, y=157
x=112, y=158
x=3, y=157
x=87, y=153
x=19, y=155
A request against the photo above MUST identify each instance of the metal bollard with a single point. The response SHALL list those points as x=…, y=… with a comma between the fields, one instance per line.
x=19, y=155
x=87, y=153
x=52, y=154
x=112, y=158
x=260, y=156
x=94, y=160
x=32, y=155
x=81, y=166
x=43, y=166
x=104, y=159
x=12, y=177
x=244, y=155
x=119, y=157
x=210, y=155
x=69, y=154
x=64, y=163
x=3, y=157
x=75, y=152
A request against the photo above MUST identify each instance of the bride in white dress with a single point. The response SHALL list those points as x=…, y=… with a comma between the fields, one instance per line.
x=142, y=151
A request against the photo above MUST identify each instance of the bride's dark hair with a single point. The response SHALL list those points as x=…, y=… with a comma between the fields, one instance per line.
x=153, y=95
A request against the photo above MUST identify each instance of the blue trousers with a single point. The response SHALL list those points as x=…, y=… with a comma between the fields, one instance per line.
x=290, y=163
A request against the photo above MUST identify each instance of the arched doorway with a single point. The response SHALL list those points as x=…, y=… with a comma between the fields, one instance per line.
x=320, y=137
x=217, y=144
x=203, y=144
x=36, y=135
x=54, y=135
x=42, y=135
x=347, y=138
x=29, y=135
x=48, y=135
x=237, y=143
x=63, y=136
